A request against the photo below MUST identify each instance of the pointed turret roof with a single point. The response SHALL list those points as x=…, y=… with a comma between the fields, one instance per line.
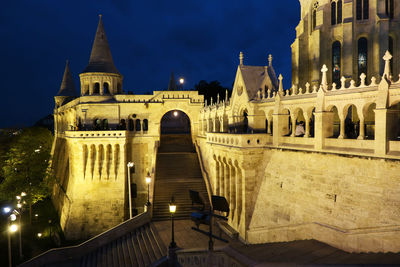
x=172, y=84
x=67, y=87
x=100, y=57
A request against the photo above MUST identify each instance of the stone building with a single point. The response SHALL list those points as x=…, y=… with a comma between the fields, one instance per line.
x=350, y=37
x=338, y=183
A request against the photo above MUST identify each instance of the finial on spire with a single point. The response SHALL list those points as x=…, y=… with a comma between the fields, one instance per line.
x=387, y=57
x=270, y=60
x=226, y=95
x=100, y=16
x=280, y=83
x=241, y=58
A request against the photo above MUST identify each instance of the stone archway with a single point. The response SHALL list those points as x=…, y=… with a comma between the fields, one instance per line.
x=175, y=132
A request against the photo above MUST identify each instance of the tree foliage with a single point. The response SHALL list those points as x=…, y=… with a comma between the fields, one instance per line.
x=212, y=90
x=26, y=166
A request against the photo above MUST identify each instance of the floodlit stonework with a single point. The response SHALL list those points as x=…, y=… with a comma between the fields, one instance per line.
x=338, y=183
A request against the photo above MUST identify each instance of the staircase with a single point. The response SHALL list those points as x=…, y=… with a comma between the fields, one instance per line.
x=177, y=171
x=141, y=247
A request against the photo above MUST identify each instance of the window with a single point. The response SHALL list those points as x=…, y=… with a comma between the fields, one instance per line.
x=138, y=126
x=389, y=7
x=106, y=88
x=131, y=125
x=336, y=62
x=362, y=9
x=145, y=125
x=362, y=56
x=314, y=16
x=336, y=12
x=105, y=124
x=391, y=51
x=96, y=89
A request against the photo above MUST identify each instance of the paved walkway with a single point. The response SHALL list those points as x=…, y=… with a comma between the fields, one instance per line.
x=307, y=252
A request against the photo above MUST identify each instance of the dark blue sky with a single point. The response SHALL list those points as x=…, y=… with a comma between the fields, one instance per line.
x=199, y=40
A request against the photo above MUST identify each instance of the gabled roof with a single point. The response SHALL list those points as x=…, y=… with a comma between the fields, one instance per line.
x=256, y=77
x=100, y=57
x=67, y=87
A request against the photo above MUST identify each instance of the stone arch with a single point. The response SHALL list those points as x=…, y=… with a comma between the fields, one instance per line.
x=106, y=88
x=368, y=120
x=393, y=121
x=351, y=121
x=96, y=88
x=336, y=121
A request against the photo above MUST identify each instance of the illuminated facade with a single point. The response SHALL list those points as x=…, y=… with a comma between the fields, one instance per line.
x=339, y=183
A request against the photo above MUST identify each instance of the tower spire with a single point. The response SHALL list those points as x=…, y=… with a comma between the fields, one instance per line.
x=100, y=57
x=67, y=87
x=172, y=83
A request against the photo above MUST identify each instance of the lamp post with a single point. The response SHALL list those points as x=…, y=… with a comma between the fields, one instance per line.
x=11, y=229
x=172, y=209
x=148, y=181
x=130, y=165
x=19, y=206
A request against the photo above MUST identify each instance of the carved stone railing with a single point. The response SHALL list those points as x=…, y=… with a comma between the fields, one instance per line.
x=331, y=145
x=240, y=140
x=72, y=254
x=95, y=134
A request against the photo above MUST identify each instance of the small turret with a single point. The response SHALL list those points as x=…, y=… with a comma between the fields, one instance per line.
x=100, y=77
x=67, y=90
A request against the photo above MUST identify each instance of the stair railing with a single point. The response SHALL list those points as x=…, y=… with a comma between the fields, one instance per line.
x=206, y=177
x=71, y=253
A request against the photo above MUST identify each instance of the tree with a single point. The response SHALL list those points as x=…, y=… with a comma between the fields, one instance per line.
x=212, y=90
x=26, y=167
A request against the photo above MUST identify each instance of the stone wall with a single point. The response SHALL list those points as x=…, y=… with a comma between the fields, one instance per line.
x=348, y=202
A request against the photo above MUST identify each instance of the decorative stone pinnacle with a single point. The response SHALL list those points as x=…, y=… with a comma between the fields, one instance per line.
x=270, y=60
x=387, y=57
x=241, y=58
x=280, y=83
x=217, y=98
x=362, y=77
x=324, y=81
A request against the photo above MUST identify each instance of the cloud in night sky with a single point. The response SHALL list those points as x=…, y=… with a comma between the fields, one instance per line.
x=199, y=40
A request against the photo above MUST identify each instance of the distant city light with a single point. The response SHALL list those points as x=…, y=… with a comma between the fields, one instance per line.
x=19, y=205
x=36, y=215
x=39, y=235
x=18, y=197
x=23, y=194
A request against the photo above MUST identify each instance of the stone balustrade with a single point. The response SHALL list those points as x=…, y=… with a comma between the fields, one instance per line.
x=95, y=134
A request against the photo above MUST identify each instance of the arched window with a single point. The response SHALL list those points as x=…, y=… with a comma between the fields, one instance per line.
x=97, y=124
x=105, y=124
x=362, y=9
x=106, y=88
x=391, y=51
x=336, y=62
x=314, y=15
x=333, y=12
x=336, y=12
x=131, y=125
x=362, y=56
x=389, y=7
x=96, y=88
x=138, y=126
x=145, y=125
x=122, y=125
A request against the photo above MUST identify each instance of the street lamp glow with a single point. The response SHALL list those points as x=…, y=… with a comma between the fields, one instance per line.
x=37, y=150
x=176, y=113
x=181, y=81
x=172, y=208
x=13, y=217
x=148, y=179
x=13, y=228
x=23, y=194
x=36, y=215
x=6, y=209
x=39, y=235
x=18, y=197
x=130, y=164
x=19, y=205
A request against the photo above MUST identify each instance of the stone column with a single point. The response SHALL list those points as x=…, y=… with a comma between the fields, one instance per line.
x=381, y=131
x=307, y=126
x=323, y=127
x=361, y=136
x=293, y=120
x=342, y=134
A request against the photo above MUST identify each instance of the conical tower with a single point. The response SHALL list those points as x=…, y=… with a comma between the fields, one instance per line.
x=172, y=83
x=67, y=89
x=100, y=77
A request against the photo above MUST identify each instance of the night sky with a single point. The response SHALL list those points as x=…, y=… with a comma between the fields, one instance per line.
x=198, y=40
